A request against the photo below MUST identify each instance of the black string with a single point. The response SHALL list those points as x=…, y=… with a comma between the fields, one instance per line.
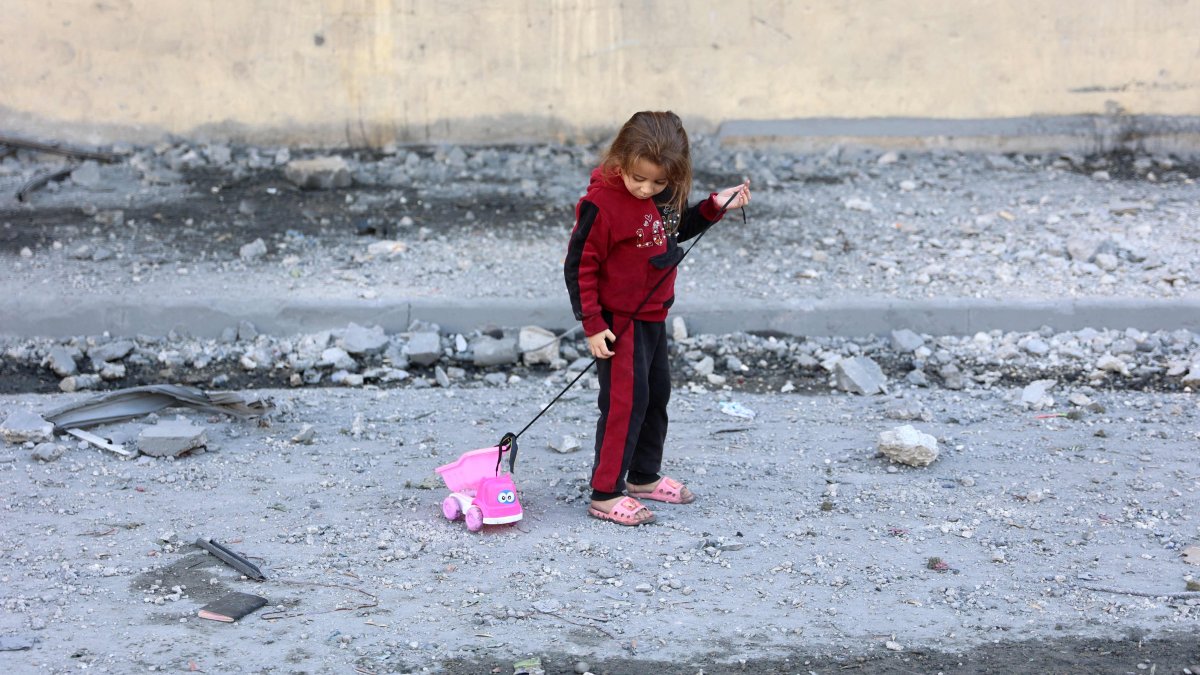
x=509, y=440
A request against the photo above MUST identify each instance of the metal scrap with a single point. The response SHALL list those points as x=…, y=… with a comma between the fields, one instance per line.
x=56, y=149
x=126, y=404
x=38, y=181
x=234, y=560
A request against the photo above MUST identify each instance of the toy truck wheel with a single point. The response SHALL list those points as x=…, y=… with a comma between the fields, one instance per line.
x=474, y=519
x=451, y=508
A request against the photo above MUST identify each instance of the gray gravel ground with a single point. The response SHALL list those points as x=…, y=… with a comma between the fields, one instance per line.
x=1048, y=536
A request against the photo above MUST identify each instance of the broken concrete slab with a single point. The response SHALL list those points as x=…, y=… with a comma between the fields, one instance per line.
x=61, y=360
x=171, y=438
x=907, y=445
x=424, y=348
x=488, y=351
x=905, y=340
x=359, y=340
x=860, y=375
x=537, y=345
x=23, y=426
x=111, y=351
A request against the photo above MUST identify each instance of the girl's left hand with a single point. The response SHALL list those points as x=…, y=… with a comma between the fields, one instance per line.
x=743, y=196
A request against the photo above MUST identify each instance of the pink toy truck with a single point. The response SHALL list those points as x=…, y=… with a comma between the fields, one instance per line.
x=479, y=491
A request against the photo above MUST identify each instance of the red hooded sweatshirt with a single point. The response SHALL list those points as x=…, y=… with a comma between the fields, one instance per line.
x=620, y=252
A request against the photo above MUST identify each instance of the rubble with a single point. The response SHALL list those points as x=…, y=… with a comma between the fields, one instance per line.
x=23, y=426
x=171, y=438
x=907, y=445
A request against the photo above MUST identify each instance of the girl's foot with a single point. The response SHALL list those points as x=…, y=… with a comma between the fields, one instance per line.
x=665, y=489
x=623, y=510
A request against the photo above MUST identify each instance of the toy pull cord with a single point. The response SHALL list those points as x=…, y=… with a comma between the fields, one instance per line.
x=508, y=442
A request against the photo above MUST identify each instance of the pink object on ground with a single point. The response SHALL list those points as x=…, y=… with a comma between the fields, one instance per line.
x=668, y=490
x=479, y=491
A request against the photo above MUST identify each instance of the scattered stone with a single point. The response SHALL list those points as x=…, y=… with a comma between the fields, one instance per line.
x=905, y=340
x=321, y=173
x=111, y=351
x=424, y=348
x=679, y=330
x=441, y=377
x=537, y=345
x=906, y=445
x=858, y=204
x=338, y=359
x=76, y=383
x=48, y=452
x=61, y=361
x=22, y=426
x=254, y=250
x=705, y=366
x=306, y=435
x=489, y=351
x=358, y=340
x=568, y=444
x=860, y=375
x=1034, y=394
x=171, y=438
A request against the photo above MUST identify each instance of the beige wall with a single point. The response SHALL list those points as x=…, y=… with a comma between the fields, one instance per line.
x=357, y=72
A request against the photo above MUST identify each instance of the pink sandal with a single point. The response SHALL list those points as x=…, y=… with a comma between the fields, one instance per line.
x=624, y=512
x=669, y=490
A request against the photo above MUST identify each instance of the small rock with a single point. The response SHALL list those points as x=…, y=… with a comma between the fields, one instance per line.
x=306, y=435
x=424, y=348
x=171, y=438
x=321, y=173
x=22, y=426
x=679, y=330
x=488, y=351
x=860, y=375
x=906, y=445
x=537, y=345
x=254, y=250
x=358, y=340
x=568, y=444
x=48, y=452
x=1034, y=394
x=79, y=382
x=905, y=340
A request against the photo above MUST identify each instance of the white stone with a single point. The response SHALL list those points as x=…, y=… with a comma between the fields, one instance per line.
x=907, y=445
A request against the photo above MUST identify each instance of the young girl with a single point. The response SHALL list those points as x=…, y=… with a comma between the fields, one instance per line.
x=620, y=273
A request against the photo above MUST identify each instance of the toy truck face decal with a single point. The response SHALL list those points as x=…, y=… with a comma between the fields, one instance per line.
x=498, y=498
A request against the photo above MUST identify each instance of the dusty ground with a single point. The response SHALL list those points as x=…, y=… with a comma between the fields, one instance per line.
x=804, y=545
x=1059, y=539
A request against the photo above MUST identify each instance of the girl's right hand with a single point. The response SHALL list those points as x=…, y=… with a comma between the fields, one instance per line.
x=598, y=344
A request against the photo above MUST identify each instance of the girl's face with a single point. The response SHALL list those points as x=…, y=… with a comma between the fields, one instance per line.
x=645, y=180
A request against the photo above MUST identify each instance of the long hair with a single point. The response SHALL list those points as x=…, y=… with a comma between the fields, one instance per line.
x=656, y=137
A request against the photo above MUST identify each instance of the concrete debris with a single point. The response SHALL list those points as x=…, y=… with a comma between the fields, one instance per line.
x=171, y=438
x=565, y=445
x=62, y=361
x=907, y=445
x=82, y=382
x=424, y=348
x=111, y=351
x=337, y=358
x=537, y=345
x=321, y=173
x=860, y=375
x=23, y=426
x=386, y=249
x=254, y=250
x=489, y=351
x=126, y=404
x=358, y=340
x=679, y=331
x=99, y=442
x=16, y=643
x=1192, y=378
x=48, y=452
x=906, y=341
x=1034, y=394
x=306, y=435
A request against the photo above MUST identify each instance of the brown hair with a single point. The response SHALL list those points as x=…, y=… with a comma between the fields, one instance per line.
x=656, y=137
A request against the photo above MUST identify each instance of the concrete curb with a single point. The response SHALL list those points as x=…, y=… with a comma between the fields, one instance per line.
x=1060, y=133
x=207, y=316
